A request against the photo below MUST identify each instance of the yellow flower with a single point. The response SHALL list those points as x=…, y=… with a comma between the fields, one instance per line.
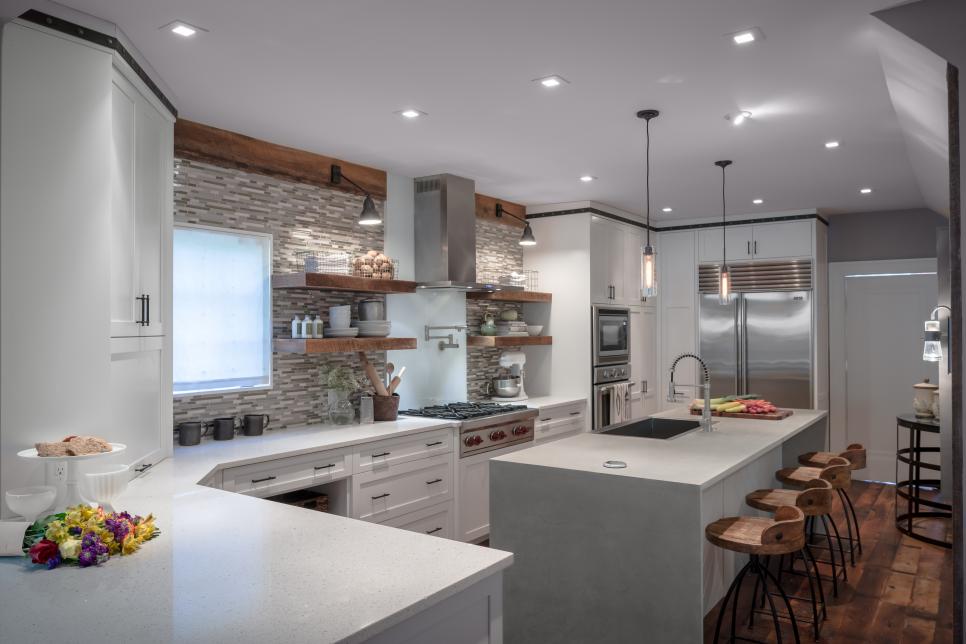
x=56, y=531
x=130, y=545
x=70, y=548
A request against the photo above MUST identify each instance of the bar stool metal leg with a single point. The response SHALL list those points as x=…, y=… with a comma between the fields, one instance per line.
x=729, y=596
x=855, y=519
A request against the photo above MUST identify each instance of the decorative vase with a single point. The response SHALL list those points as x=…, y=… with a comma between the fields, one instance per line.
x=926, y=394
x=342, y=413
x=489, y=326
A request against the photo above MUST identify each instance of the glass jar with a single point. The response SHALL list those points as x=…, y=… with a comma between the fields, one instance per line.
x=342, y=412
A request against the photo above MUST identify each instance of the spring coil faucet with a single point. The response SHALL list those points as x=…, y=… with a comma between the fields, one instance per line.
x=672, y=393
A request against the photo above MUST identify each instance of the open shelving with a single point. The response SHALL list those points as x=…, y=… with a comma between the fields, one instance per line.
x=331, y=282
x=508, y=340
x=342, y=345
x=511, y=296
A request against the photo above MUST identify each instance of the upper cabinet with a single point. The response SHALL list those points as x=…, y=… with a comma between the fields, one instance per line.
x=778, y=240
x=141, y=204
x=615, y=268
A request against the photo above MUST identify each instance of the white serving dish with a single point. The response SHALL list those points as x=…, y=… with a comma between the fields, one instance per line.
x=103, y=487
x=32, y=453
x=534, y=329
x=29, y=502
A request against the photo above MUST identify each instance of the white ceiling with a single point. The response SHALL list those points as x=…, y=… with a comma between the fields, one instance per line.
x=328, y=76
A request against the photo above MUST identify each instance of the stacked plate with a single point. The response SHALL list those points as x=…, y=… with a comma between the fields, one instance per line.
x=372, y=328
x=329, y=332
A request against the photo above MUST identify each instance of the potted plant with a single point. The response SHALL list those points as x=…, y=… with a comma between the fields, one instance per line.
x=340, y=382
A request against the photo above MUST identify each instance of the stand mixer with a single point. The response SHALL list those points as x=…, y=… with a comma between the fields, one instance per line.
x=513, y=361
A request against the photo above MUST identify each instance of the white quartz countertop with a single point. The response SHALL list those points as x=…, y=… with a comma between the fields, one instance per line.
x=232, y=568
x=549, y=402
x=697, y=458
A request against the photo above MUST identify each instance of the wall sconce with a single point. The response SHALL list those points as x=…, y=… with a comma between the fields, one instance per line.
x=369, y=215
x=932, y=350
x=527, y=238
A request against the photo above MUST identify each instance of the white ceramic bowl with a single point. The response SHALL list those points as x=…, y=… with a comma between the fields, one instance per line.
x=29, y=502
x=339, y=316
x=534, y=329
x=103, y=487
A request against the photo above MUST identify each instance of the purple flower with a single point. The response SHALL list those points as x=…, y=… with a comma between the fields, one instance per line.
x=53, y=562
x=75, y=530
x=87, y=558
x=119, y=527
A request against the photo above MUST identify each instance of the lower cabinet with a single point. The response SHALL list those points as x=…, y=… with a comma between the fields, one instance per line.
x=400, y=489
x=473, y=494
x=279, y=475
x=140, y=400
x=560, y=421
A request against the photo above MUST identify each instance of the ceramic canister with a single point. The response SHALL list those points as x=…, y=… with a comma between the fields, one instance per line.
x=924, y=400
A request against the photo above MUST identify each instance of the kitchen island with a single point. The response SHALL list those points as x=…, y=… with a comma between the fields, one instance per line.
x=619, y=555
x=231, y=567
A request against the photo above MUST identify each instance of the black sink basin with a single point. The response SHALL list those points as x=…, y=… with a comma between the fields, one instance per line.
x=662, y=428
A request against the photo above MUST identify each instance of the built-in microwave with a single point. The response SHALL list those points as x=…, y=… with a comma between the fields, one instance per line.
x=612, y=338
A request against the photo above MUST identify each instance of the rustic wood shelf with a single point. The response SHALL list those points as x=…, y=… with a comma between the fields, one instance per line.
x=330, y=282
x=342, y=345
x=511, y=296
x=507, y=340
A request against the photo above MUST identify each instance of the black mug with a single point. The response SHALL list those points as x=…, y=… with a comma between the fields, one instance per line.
x=189, y=433
x=255, y=424
x=224, y=428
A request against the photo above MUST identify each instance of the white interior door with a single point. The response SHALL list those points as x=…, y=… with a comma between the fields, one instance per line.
x=877, y=311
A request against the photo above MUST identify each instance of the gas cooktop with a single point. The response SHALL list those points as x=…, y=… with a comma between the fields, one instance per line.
x=463, y=411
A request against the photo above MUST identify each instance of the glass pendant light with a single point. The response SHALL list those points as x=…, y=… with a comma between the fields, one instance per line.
x=648, y=259
x=724, y=275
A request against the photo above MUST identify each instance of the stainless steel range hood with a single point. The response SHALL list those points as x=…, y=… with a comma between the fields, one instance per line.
x=445, y=235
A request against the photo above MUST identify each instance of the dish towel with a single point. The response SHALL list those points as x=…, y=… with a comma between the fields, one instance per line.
x=619, y=409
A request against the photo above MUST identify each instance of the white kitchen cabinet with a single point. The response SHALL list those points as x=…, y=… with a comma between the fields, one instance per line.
x=606, y=261
x=275, y=476
x=632, y=258
x=436, y=520
x=677, y=314
x=644, y=401
x=473, y=494
x=141, y=204
x=381, y=495
x=777, y=240
x=560, y=421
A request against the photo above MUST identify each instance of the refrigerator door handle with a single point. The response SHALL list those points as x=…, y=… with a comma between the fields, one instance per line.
x=741, y=346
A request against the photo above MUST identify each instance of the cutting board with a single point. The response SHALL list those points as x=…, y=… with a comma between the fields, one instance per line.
x=781, y=414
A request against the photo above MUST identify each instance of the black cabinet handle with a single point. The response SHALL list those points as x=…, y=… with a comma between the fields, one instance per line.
x=756, y=247
x=749, y=247
x=433, y=530
x=267, y=478
x=140, y=321
x=381, y=496
x=576, y=413
x=434, y=481
x=325, y=467
x=143, y=468
x=383, y=454
x=434, y=444
x=543, y=420
x=147, y=312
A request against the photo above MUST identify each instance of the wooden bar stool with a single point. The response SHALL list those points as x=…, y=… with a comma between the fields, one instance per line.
x=814, y=501
x=758, y=537
x=855, y=455
x=838, y=472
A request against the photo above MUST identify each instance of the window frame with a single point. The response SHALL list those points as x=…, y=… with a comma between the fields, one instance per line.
x=268, y=315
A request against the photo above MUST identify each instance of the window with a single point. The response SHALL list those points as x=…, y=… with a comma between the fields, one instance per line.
x=222, y=309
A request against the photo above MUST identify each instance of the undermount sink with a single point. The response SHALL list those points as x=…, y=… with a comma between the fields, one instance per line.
x=662, y=428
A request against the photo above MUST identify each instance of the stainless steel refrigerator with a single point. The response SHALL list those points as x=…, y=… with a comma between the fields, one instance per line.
x=760, y=343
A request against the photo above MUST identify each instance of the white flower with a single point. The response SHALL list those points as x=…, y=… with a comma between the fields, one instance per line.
x=70, y=549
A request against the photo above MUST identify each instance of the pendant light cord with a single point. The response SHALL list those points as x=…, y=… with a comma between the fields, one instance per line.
x=647, y=175
x=724, y=243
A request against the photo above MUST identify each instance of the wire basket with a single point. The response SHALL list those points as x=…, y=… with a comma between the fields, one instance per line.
x=312, y=261
x=527, y=279
x=379, y=267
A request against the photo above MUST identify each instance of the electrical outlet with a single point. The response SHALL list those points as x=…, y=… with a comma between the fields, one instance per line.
x=57, y=472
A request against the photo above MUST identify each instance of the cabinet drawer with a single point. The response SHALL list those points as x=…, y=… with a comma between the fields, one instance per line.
x=436, y=520
x=557, y=428
x=285, y=474
x=379, y=457
x=568, y=411
x=378, y=496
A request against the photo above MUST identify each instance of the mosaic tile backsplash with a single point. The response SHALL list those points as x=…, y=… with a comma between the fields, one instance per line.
x=300, y=217
x=497, y=250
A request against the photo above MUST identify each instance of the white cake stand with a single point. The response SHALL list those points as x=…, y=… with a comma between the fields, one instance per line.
x=71, y=496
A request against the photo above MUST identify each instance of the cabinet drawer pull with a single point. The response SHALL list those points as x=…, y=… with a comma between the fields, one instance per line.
x=147, y=307
x=434, y=444
x=434, y=481
x=383, y=454
x=543, y=420
x=325, y=467
x=433, y=530
x=756, y=247
x=576, y=413
x=267, y=478
x=143, y=468
x=381, y=496
x=749, y=247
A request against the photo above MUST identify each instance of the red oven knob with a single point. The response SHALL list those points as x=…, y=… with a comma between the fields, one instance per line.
x=497, y=435
x=521, y=430
x=470, y=441
x=477, y=440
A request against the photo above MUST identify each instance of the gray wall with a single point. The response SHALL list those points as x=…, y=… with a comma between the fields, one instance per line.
x=893, y=234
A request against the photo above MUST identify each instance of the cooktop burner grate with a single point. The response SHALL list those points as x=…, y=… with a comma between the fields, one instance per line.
x=463, y=411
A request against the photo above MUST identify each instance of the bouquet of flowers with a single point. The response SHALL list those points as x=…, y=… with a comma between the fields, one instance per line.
x=86, y=536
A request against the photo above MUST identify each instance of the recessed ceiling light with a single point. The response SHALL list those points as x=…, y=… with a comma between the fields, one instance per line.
x=551, y=81
x=831, y=144
x=587, y=178
x=666, y=210
x=865, y=191
x=410, y=113
x=746, y=36
x=738, y=118
x=757, y=202
x=182, y=28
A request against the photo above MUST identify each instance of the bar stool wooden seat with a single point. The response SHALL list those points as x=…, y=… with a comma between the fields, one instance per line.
x=856, y=456
x=814, y=501
x=758, y=537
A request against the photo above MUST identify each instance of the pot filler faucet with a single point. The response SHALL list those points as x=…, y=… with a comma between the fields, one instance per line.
x=672, y=392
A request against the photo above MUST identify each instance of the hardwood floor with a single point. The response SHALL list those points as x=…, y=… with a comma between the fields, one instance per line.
x=900, y=590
